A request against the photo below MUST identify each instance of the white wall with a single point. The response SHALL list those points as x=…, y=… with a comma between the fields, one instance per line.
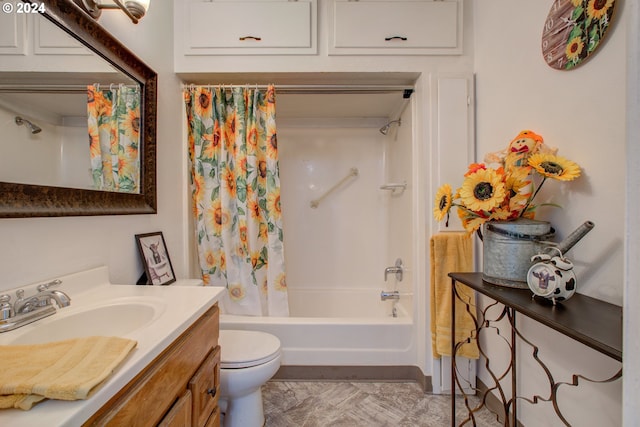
x=358, y=229
x=631, y=382
x=582, y=112
x=324, y=246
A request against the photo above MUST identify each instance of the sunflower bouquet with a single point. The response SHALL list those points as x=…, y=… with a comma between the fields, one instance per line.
x=505, y=192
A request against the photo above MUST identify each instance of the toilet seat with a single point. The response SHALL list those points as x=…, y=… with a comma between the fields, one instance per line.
x=243, y=349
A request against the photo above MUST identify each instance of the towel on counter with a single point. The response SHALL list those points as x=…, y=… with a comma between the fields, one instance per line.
x=64, y=370
x=451, y=252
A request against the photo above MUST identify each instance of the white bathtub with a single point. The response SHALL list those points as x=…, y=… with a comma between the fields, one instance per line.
x=339, y=327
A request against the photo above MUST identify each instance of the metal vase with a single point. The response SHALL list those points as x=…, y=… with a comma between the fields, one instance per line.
x=508, y=247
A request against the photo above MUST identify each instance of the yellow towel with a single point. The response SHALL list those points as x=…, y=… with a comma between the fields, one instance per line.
x=64, y=370
x=451, y=252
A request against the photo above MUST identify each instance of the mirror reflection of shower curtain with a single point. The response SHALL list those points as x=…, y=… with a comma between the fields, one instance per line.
x=236, y=196
x=114, y=137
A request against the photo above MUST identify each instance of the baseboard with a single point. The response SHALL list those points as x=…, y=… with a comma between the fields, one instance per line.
x=355, y=373
x=493, y=403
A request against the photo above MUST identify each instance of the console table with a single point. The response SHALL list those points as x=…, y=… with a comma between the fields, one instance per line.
x=575, y=319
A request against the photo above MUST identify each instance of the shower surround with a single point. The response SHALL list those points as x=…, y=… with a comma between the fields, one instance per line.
x=336, y=252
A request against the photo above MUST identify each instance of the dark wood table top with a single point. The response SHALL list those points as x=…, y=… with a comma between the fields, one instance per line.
x=593, y=322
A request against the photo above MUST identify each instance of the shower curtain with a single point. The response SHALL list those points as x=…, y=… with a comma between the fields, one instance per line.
x=235, y=180
x=114, y=137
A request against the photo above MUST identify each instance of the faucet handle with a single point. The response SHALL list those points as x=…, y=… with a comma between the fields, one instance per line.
x=6, y=309
x=43, y=287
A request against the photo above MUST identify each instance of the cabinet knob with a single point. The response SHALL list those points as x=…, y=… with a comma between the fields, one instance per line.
x=212, y=392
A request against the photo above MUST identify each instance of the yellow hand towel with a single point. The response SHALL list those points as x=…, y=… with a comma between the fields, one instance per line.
x=64, y=370
x=451, y=252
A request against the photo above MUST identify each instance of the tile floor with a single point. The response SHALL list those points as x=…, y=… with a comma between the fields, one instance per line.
x=359, y=404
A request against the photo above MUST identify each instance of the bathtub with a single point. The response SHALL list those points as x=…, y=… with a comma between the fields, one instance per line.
x=339, y=327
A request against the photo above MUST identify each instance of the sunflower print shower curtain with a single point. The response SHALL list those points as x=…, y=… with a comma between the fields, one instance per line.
x=114, y=137
x=233, y=153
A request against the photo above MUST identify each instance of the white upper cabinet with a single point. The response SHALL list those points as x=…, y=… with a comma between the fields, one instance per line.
x=389, y=27
x=239, y=27
x=30, y=42
x=12, y=34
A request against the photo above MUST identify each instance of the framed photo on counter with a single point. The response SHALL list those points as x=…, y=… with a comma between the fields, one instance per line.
x=155, y=257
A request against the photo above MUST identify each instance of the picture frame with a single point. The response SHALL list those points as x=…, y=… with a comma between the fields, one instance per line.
x=155, y=258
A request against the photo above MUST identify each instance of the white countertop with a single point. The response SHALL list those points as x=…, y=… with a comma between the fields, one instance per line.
x=182, y=305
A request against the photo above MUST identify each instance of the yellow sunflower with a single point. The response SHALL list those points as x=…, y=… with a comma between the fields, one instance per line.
x=131, y=124
x=252, y=140
x=262, y=170
x=236, y=291
x=556, y=167
x=210, y=259
x=255, y=257
x=263, y=232
x=209, y=146
x=596, y=9
x=273, y=204
x=218, y=218
x=574, y=49
x=253, y=207
x=443, y=202
x=94, y=141
x=281, y=283
x=223, y=260
x=482, y=190
x=203, y=98
x=229, y=181
x=272, y=141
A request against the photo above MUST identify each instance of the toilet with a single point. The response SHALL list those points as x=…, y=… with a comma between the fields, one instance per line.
x=248, y=359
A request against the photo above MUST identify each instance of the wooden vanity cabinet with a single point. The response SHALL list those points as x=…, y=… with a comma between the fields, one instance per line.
x=179, y=388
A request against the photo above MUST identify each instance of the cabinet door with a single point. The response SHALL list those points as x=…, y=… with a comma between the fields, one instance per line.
x=13, y=34
x=180, y=413
x=250, y=27
x=395, y=27
x=48, y=39
x=205, y=386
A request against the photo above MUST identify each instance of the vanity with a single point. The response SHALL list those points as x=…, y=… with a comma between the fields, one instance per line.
x=170, y=378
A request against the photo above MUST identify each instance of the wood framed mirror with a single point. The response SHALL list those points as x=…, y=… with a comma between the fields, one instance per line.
x=19, y=199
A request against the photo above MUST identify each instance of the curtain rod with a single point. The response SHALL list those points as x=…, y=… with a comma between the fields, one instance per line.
x=44, y=88
x=319, y=88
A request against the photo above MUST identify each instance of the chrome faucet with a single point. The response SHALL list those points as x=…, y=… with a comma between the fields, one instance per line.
x=42, y=299
x=385, y=295
x=26, y=310
x=397, y=269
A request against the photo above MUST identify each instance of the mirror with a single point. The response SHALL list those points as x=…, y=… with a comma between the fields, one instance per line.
x=43, y=106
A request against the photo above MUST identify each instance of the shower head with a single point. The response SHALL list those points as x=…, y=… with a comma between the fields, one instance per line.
x=385, y=129
x=32, y=127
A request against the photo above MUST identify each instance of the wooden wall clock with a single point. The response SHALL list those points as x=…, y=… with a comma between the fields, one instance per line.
x=574, y=30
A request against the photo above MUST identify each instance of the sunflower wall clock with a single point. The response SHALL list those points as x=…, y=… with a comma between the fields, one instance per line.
x=574, y=30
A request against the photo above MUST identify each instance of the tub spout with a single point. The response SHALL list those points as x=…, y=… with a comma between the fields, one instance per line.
x=385, y=295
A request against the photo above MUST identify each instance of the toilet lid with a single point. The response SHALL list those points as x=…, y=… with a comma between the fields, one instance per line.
x=242, y=349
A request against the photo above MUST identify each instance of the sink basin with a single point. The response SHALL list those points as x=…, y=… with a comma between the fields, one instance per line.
x=114, y=318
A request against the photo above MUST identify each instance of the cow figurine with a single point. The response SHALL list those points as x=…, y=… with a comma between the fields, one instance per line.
x=552, y=277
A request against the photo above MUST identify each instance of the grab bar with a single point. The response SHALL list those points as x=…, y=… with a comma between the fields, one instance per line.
x=353, y=172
